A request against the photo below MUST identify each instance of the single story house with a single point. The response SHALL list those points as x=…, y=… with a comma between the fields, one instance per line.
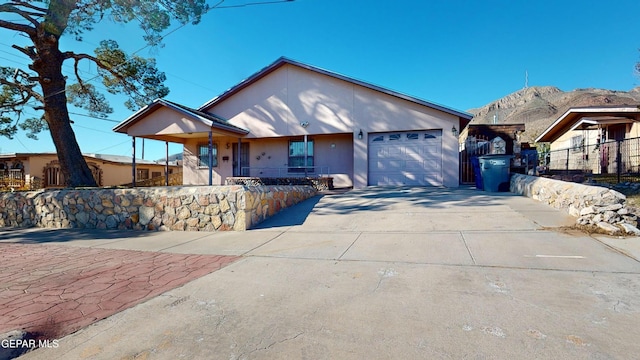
x=291, y=119
x=42, y=170
x=599, y=140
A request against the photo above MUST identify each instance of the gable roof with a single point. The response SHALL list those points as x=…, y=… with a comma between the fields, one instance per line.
x=284, y=61
x=207, y=119
x=592, y=115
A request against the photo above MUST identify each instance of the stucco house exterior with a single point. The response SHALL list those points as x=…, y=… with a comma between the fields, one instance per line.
x=600, y=140
x=292, y=119
x=42, y=170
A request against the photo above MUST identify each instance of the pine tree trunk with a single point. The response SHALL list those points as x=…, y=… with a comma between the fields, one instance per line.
x=49, y=68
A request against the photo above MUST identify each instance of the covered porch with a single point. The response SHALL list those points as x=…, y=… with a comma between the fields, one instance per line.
x=173, y=123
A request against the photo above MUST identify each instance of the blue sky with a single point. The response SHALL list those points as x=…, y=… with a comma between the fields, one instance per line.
x=461, y=54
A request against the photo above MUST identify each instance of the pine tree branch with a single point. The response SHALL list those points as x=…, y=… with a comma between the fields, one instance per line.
x=27, y=50
x=30, y=6
x=27, y=15
x=128, y=85
x=17, y=27
x=78, y=57
x=27, y=92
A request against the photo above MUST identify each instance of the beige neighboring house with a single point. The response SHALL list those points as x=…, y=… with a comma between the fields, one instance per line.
x=595, y=136
x=291, y=119
x=42, y=170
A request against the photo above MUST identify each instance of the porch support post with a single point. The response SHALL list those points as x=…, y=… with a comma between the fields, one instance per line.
x=239, y=157
x=166, y=164
x=133, y=162
x=210, y=158
x=306, y=153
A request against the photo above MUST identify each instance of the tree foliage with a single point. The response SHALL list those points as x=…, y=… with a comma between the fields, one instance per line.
x=43, y=88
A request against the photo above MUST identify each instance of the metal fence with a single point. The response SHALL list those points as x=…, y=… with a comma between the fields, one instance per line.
x=289, y=171
x=612, y=161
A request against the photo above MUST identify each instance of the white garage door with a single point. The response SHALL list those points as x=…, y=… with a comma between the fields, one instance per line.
x=406, y=158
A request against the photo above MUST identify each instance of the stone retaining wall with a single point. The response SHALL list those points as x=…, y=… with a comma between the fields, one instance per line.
x=591, y=205
x=193, y=208
x=319, y=183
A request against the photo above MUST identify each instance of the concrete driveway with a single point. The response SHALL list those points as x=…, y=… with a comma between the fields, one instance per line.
x=380, y=273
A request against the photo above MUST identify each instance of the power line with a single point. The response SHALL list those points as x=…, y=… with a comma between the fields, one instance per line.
x=112, y=146
x=216, y=6
x=93, y=129
x=23, y=145
x=251, y=4
x=95, y=117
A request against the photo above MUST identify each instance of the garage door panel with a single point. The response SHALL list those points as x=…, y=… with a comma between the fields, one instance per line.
x=381, y=153
x=415, y=165
x=388, y=165
x=414, y=149
x=432, y=164
x=406, y=158
x=431, y=149
x=433, y=181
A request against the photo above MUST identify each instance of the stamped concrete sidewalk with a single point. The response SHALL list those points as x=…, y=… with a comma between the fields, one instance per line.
x=50, y=291
x=379, y=273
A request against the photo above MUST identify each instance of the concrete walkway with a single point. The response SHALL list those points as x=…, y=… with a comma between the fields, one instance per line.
x=379, y=273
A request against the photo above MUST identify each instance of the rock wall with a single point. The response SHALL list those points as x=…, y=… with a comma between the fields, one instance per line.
x=591, y=205
x=193, y=208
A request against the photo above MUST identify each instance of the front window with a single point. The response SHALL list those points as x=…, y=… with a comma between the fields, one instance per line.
x=203, y=155
x=142, y=174
x=297, y=156
x=577, y=142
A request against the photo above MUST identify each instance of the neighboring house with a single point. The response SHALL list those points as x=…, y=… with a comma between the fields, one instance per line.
x=291, y=119
x=42, y=170
x=595, y=139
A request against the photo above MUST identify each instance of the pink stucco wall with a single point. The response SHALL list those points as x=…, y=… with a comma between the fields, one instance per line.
x=268, y=157
x=167, y=121
x=277, y=105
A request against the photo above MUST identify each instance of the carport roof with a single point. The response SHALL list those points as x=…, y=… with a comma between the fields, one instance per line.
x=576, y=117
x=215, y=122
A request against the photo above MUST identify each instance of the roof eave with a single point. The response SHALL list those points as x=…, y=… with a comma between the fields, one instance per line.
x=543, y=137
x=553, y=132
x=122, y=127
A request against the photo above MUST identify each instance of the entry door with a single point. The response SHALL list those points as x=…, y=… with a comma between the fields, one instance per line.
x=244, y=159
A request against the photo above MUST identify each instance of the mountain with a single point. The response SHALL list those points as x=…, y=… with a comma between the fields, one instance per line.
x=539, y=106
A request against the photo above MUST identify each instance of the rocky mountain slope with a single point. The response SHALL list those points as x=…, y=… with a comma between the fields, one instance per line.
x=537, y=107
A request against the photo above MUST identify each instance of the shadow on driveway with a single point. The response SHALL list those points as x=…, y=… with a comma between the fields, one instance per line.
x=295, y=215
x=383, y=198
x=43, y=236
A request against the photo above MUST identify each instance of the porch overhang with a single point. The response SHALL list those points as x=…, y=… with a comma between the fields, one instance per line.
x=594, y=123
x=167, y=121
x=589, y=118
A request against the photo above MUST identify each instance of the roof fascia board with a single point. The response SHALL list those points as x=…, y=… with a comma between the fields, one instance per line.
x=217, y=124
x=121, y=128
x=142, y=111
x=552, y=126
x=573, y=113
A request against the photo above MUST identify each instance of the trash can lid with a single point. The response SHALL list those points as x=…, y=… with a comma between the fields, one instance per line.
x=493, y=156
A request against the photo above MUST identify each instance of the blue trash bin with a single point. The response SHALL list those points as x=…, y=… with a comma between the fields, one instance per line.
x=477, y=175
x=496, y=172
